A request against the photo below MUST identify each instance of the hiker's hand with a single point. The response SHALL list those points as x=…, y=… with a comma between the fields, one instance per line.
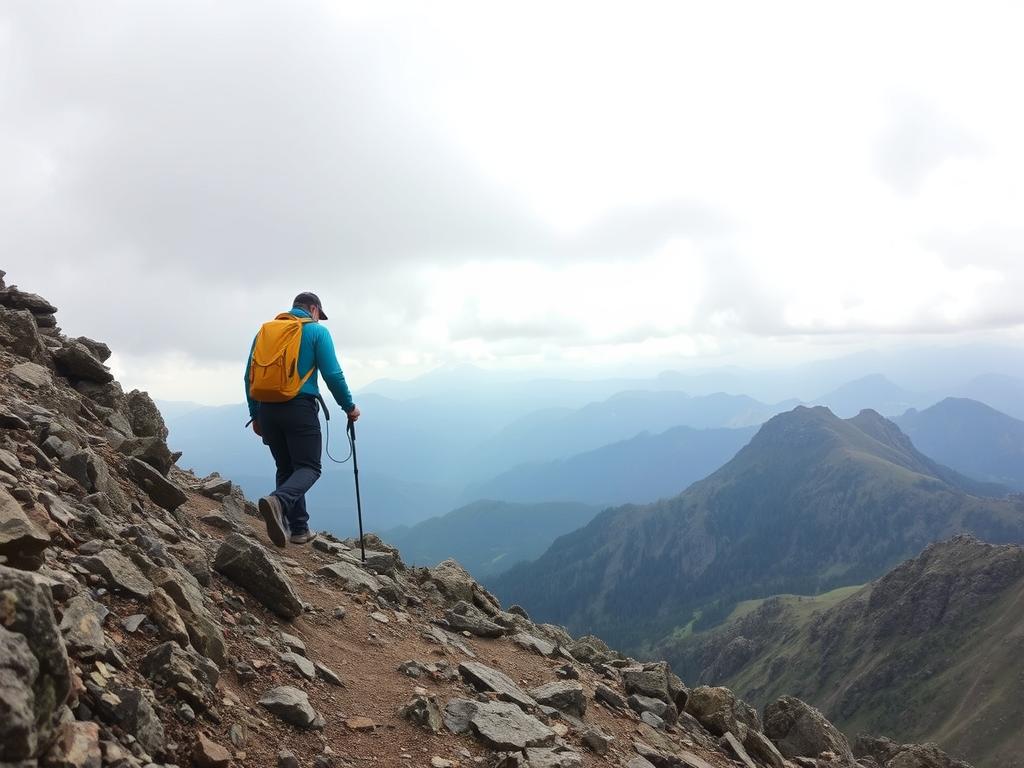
x=353, y=415
x=256, y=428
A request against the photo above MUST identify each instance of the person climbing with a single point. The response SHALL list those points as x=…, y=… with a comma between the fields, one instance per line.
x=284, y=400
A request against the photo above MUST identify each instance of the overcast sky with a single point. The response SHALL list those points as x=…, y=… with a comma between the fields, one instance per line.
x=559, y=186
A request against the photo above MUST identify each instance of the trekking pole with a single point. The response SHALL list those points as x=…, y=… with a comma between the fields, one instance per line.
x=359, y=501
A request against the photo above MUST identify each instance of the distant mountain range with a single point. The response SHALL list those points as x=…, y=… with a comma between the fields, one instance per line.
x=971, y=437
x=814, y=502
x=560, y=433
x=934, y=650
x=488, y=537
x=642, y=469
x=875, y=392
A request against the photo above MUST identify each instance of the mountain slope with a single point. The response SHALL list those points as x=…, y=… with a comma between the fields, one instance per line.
x=641, y=469
x=812, y=503
x=970, y=437
x=935, y=649
x=489, y=537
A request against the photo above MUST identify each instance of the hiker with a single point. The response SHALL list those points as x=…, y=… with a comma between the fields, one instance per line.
x=284, y=399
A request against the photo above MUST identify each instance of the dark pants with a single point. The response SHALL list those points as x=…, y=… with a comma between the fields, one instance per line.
x=292, y=431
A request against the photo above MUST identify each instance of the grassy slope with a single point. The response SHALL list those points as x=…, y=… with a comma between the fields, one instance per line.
x=960, y=685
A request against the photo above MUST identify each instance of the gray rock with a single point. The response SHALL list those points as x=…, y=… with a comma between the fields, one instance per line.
x=16, y=299
x=117, y=571
x=77, y=746
x=506, y=727
x=293, y=643
x=152, y=450
x=646, y=683
x=287, y=759
x=328, y=675
x=21, y=542
x=19, y=670
x=291, y=705
x=484, y=678
x=800, y=730
x=453, y=581
x=761, y=748
x=161, y=490
x=301, y=663
x=530, y=643
x=187, y=673
x=134, y=711
x=351, y=577
x=641, y=704
x=457, y=714
x=553, y=758
x=424, y=712
x=721, y=711
x=329, y=547
x=652, y=720
x=34, y=672
x=9, y=462
x=19, y=332
x=889, y=754
x=639, y=762
x=248, y=565
x=731, y=744
x=144, y=416
x=31, y=375
x=564, y=696
x=596, y=740
x=97, y=349
x=76, y=362
x=82, y=627
x=471, y=621
x=605, y=694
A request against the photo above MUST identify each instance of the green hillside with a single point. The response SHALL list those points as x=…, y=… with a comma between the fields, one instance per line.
x=932, y=651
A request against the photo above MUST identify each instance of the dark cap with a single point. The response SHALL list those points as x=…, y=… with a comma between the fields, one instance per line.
x=310, y=300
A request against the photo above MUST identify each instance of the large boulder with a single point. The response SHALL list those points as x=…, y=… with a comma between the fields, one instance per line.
x=159, y=488
x=152, y=450
x=890, y=754
x=21, y=542
x=144, y=416
x=248, y=565
x=800, y=730
x=75, y=361
x=35, y=678
x=20, y=334
x=721, y=711
x=565, y=696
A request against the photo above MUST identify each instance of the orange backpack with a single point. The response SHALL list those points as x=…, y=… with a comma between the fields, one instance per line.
x=273, y=368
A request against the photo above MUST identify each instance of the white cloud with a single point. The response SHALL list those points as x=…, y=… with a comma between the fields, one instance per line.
x=519, y=186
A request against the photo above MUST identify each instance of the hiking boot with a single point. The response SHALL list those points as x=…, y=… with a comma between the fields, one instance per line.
x=273, y=515
x=302, y=537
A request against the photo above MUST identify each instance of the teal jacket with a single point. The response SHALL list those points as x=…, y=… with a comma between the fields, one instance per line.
x=316, y=352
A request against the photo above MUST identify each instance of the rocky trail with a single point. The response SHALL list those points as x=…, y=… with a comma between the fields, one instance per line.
x=146, y=620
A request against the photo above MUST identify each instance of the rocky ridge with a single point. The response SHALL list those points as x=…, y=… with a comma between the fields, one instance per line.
x=145, y=621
